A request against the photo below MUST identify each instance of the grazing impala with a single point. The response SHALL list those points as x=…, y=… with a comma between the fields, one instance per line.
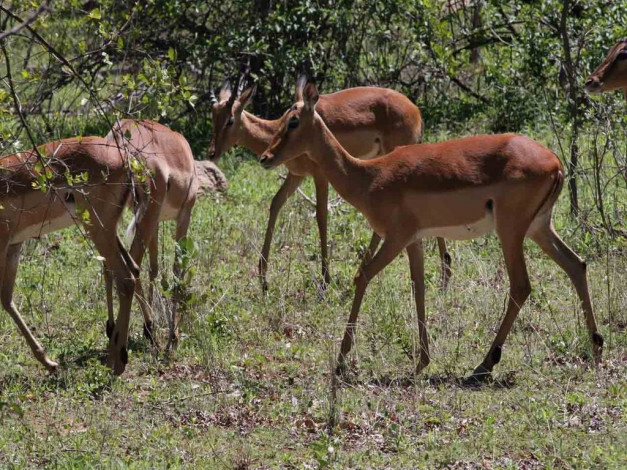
x=67, y=181
x=368, y=121
x=612, y=73
x=170, y=194
x=459, y=189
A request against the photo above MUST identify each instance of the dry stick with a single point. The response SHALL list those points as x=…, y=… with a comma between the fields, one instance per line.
x=26, y=23
x=59, y=57
x=18, y=109
x=65, y=62
x=18, y=105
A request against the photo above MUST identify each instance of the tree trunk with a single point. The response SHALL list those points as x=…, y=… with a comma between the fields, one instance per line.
x=572, y=93
x=475, y=51
x=261, y=104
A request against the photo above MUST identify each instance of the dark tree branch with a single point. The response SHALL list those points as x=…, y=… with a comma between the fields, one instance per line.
x=26, y=23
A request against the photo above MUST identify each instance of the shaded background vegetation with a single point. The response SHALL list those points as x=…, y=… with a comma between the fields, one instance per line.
x=471, y=65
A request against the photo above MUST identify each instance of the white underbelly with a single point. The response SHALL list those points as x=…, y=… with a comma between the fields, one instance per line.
x=460, y=232
x=40, y=228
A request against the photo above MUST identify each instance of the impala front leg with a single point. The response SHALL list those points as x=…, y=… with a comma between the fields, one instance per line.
x=322, y=209
x=9, y=261
x=291, y=184
x=386, y=254
x=415, y=254
x=519, y=290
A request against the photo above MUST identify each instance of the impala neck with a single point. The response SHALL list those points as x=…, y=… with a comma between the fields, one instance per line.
x=256, y=133
x=348, y=175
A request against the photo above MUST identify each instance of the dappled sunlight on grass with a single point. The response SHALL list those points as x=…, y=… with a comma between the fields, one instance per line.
x=251, y=382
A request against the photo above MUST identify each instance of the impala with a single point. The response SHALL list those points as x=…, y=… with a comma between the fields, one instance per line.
x=82, y=180
x=169, y=193
x=368, y=121
x=460, y=189
x=612, y=73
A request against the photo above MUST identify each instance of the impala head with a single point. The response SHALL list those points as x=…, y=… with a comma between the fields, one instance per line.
x=612, y=73
x=293, y=139
x=227, y=118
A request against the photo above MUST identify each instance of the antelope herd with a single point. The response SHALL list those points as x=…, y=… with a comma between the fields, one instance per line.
x=364, y=141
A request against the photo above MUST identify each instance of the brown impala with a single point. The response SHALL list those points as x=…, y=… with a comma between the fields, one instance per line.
x=170, y=194
x=612, y=73
x=368, y=121
x=460, y=189
x=74, y=178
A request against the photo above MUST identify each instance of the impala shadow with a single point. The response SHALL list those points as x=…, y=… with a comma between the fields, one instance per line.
x=81, y=355
x=506, y=381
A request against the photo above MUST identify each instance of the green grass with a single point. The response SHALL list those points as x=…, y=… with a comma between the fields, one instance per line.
x=250, y=386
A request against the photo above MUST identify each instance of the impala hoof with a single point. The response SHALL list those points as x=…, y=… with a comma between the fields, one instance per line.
x=597, y=347
x=51, y=366
x=480, y=375
x=118, y=364
x=422, y=364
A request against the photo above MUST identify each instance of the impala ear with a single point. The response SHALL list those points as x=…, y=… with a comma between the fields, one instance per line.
x=300, y=85
x=247, y=96
x=225, y=91
x=310, y=96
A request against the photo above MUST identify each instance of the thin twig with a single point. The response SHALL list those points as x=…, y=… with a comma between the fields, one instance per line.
x=26, y=23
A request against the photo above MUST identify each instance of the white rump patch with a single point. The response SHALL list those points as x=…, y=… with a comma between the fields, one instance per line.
x=372, y=153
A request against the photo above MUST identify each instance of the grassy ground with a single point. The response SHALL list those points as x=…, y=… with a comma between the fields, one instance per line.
x=250, y=386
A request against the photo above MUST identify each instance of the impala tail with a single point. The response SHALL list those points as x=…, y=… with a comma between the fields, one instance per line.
x=551, y=198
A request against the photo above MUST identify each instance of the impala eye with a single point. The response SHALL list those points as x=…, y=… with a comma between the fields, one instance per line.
x=230, y=121
x=293, y=123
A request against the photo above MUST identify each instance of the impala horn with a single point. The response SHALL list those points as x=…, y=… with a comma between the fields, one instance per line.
x=212, y=95
x=300, y=85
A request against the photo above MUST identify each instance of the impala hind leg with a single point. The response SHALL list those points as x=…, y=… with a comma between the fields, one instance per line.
x=519, y=290
x=147, y=228
x=291, y=184
x=415, y=254
x=9, y=261
x=109, y=292
x=153, y=272
x=445, y=261
x=124, y=272
x=322, y=210
x=386, y=254
x=575, y=267
x=102, y=231
x=182, y=225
